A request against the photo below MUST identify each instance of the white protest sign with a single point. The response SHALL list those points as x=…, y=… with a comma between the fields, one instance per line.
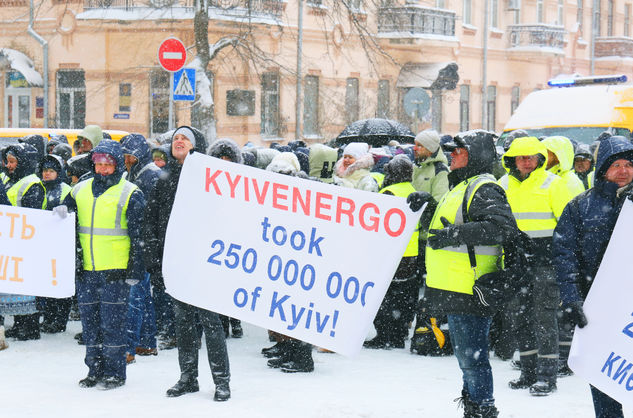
x=303, y=258
x=37, y=252
x=602, y=351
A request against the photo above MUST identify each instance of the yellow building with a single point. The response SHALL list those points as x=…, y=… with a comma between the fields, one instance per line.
x=359, y=59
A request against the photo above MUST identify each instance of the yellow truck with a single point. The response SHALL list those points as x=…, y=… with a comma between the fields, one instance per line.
x=11, y=135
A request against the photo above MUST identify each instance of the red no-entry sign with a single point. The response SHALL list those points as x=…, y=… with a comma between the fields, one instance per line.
x=172, y=54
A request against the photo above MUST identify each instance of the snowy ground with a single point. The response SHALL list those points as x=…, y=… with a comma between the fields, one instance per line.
x=39, y=379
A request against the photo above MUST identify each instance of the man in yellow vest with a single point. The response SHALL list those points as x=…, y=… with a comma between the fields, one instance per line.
x=471, y=223
x=537, y=198
x=398, y=307
x=109, y=221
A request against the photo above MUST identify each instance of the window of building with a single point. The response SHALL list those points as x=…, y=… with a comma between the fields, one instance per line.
x=467, y=12
x=610, y=18
x=125, y=97
x=440, y=4
x=494, y=13
x=560, y=13
x=351, y=100
x=382, y=108
x=540, y=11
x=311, y=106
x=515, y=97
x=270, y=104
x=464, y=107
x=491, y=108
x=71, y=99
x=159, y=101
x=627, y=20
x=579, y=15
x=516, y=8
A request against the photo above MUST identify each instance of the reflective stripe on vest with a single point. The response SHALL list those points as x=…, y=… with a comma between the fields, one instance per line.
x=404, y=190
x=102, y=225
x=3, y=176
x=19, y=189
x=449, y=268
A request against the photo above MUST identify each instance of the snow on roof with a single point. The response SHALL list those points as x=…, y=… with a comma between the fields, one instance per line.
x=20, y=62
x=571, y=106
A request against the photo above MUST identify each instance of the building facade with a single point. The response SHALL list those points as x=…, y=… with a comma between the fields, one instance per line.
x=426, y=63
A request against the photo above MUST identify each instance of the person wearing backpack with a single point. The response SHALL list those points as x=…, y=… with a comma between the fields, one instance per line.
x=485, y=224
x=582, y=235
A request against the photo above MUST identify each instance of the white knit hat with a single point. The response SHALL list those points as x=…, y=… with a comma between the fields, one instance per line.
x=356, y=149
x=429, y=139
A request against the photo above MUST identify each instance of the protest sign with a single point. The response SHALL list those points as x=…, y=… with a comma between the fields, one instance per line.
x=602, y=351
x=303, y=258
x=37, y=252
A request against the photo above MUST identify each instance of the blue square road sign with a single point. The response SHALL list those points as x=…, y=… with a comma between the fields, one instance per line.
x=185, y=85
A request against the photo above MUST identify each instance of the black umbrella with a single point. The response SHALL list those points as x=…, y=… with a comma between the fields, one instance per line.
x=376, y=132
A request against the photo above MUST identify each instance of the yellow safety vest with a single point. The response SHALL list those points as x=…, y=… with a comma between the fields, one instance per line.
x=4, y=178
x=449, y=268
x=536, y=202
x=102, y=225
x=19, y=189
x=403, y=190
x=379, y=177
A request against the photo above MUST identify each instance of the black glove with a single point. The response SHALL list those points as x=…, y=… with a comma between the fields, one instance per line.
x=417, y=199
x=446, y=237
x=575, y=314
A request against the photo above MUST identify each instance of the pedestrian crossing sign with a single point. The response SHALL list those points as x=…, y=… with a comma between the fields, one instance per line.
x=185, y=85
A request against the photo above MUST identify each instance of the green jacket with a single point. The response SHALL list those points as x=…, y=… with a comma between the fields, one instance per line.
x=431, y=175
x=564, y=151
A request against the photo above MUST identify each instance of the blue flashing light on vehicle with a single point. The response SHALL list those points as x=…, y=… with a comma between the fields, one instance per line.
x=580, y=81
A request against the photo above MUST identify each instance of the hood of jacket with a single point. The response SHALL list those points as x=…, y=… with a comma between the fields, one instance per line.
x=481, y=153
x=201, y=141
x=611, y=149
x=108, y=146
x=27, y=160
x=92, y=133
x=38, y=142
x=527, y=145
x=364, y=162
x=321, y=160
x=58, y=165
x=398, y=170
x=562, y=147
x=226, y=147
x=136, y=145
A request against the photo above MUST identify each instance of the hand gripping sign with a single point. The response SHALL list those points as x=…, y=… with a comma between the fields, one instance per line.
x=303, y=258
x=37, y=252
x=602, y=351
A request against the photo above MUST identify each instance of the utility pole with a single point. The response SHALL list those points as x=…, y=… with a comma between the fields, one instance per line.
x=484, y=69
x=298, y=130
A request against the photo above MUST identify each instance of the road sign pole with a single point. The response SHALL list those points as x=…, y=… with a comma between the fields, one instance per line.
x=171, y=101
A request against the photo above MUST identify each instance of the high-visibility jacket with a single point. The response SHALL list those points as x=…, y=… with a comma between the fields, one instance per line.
x=4, y=178
x=538, y=201
x=102, y=225
x=379, y=177
x=19, y=189
x=403, y=190
x=449, y=268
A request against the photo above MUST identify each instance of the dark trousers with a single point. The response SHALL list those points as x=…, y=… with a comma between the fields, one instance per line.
x=163, y=311
x=188, y=341
x=56, y=311
x=397, y=310
x=103, y=309
x=141, y=320
x=605, y=406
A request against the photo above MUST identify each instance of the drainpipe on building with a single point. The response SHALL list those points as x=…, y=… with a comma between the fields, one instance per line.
x=595, y=15
x=298, y=130
x=484, y=70
x=44, y=44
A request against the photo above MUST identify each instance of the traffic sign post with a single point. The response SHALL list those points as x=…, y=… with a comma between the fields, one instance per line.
x=172, y=56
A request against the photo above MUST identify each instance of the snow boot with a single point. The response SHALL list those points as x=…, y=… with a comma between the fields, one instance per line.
x=542, y=388
x=111, y=382
x=528, y=373
x=300, y=359
x=480, y=411
x=3, y=340
x=142, y=351
x=183, y=386
x=465, y=402
x=30, y=329
x=222, y=392
x=274, y=351
x=89, y=381
x=236, y=328
x=376, y=343
x=563, y=370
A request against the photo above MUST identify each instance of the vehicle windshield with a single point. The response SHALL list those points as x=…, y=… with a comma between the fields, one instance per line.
x=582, y=135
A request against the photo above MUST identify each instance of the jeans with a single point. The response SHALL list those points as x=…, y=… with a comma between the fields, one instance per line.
x=469, y=336
x=605, y=406
x=141, y=319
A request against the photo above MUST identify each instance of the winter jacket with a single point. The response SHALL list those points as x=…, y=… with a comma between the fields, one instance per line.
x=144, y=173
x=135, y=209
x=490, y=221
x=57, y=191
x=226, y=148
x=27, y=164
x=564, y=151
x=584, y=229
x=159, y=205
x=356, y=176
x=431, y=175
x=322, y=160
x=38, y=142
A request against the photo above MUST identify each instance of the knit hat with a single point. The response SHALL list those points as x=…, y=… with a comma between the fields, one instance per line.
x=102, y=157
x=356, y=149
x=188, y=133
x=429, y=139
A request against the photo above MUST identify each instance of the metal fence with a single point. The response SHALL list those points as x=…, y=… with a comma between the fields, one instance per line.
x=415, y=19
x=537, y=35
x=255, y=7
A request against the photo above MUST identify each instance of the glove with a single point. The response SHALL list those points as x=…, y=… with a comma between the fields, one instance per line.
x=417, y=199
x=61, y=211
x=446, y=237
x=575, y=314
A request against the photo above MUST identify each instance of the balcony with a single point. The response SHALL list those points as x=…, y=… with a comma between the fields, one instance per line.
x=228, y=7
x=413, y=20
x=537, y=36
x=614, y=47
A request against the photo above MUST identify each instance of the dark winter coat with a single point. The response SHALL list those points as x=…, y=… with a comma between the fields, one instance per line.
x=490, y=220
x=38, y=142
x=585, y=227
x=27, y=164
x=54, y=187
x=159, y=205
x=135, y=209
x=144, y=173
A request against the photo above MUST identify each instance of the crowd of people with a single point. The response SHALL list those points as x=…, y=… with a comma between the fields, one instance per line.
x=477, y=200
